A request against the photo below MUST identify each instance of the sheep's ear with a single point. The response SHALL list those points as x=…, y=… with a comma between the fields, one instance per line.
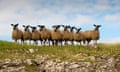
x=68, y=26
x=12, y=24
x=16, y=24
x=42, y=26
x=62, y=25
x=75, y=28
x=28, y=25
x=80, y=28
x=38, y=25
x=31, y=27
x=100, y=25
x=23, y=25
x=54, y=26
x=58, y=25
x=94, y=25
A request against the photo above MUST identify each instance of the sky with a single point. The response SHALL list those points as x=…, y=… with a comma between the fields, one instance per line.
x=79, y=13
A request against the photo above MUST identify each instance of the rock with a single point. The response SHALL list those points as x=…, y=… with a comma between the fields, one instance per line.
x=28, y=61
x=31, y=50
x=45, y=64
x=92, y=58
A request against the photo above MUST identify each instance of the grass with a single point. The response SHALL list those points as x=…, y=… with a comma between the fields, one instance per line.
x=18, y=51
x=13, y=50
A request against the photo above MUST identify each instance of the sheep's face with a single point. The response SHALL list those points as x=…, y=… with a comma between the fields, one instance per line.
x=26, y=27
x=33, y=29
x=15, y=26
x=71, y=29
x=97, y=26
x=41, y=27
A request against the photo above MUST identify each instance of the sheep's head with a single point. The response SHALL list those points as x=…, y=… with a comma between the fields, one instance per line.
x=96, y=26
x=71, y=28
x=78, y=30
x=62, y=25
x=26, y=27
x=41, y=27
x=33, y=28
x=14, y=26
x=68, y=26
x=56, y=27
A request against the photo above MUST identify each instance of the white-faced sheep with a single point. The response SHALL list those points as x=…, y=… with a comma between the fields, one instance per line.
x=35, y=35
x=27, y=34
x=17, y=34
x=93, y=34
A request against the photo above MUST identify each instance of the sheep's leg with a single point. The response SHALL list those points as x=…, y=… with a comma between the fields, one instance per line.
x=53, y=42
x=88, y=41
x=44, y=42
x=66, y=42
x=61, y=42
x=15, y=40
x=80, y=42
x=36, y=42
x=30, y=42
x=23, y=42
x=41, y=42
x=56, y=42
x=49, y=42
x=95, y=43
x=72, y=42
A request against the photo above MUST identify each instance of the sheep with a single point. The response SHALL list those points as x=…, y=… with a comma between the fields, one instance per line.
x=17, y=34
x=65, y=34
x=56, y=35
x=45, y=33
x=35, y=35
x=27, y=34
x=71, y=35
x=79, y=36
x=92, y=35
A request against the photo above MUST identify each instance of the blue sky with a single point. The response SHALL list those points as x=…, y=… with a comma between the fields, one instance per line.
x=79, y=13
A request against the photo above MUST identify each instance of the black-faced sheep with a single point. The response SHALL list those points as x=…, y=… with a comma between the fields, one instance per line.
x=27, y=34
x=35, y=35
x=93, y=34
x=45, y=33
x=17, y=34
x=65, y=34
x=71, y=35
x=56, y=35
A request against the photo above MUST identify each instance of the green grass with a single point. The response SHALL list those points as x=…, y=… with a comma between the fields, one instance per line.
x=18, y=51
x=13, y=50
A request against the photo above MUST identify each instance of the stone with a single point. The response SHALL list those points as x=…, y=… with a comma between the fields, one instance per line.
x=31, y=50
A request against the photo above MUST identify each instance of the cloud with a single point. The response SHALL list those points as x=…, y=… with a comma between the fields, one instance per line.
x=50, y=12
x=113, y=17
x=113, y=40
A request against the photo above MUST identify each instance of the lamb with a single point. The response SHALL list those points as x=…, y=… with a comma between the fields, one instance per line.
x=45, y=33
x=35, y=35
x=17, y=34
x=27, y=34
x=56, y=35
x=92, y=35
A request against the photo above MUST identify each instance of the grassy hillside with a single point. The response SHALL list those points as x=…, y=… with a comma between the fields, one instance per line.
x=13, y=50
